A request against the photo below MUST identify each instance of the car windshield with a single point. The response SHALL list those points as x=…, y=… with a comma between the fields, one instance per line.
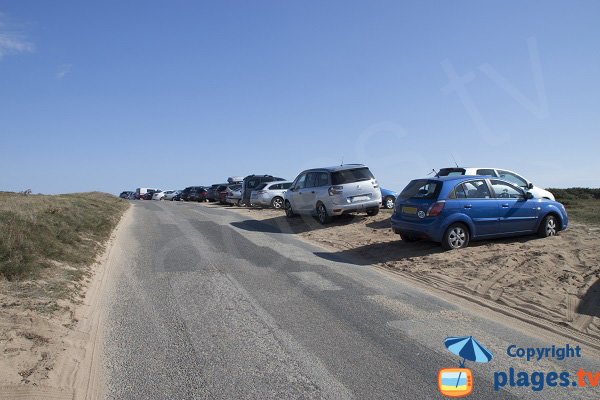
x=421, y=189
x=351, y=175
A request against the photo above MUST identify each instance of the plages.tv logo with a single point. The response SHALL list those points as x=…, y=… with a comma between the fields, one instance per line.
x=458, y=382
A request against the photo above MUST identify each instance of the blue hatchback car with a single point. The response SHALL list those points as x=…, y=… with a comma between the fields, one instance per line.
x=456, y=209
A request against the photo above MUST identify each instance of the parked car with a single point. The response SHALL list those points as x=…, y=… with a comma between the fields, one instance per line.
x=213, y=194
x=234, y=195
x=505, y=174
x=140, y=193
x=388, y=198
x=185, y=193
x=326, y=192
x=269, y=194
x=222, y=194
x=126, y=194
x=150, y=193
x=454, y=210
x=251, y=182
x=197, y=193
x=170, y=194
x=160, y=194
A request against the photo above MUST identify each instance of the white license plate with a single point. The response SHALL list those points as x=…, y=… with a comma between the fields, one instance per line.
x=360, y=198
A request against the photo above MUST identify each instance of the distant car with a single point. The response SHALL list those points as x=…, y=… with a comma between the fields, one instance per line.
x=160, y=194
x=251, y=182
x=234, y=195
x=269, y=194
x=185, y=193
x=326, y=192
x=454, y=210
x=140, y=193
x=505, y=174
x=212, y=194
x=197, y=193
x=170, y=194
x=126, y=194
x=150, y=193
x=388, y=198
x=222, y=194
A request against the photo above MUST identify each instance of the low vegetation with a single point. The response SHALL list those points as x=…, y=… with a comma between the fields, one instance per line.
x=65, y=232
x=582, y=204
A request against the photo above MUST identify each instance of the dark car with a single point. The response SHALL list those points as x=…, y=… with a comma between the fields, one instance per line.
x=185, y=193
x=126, y=195
x=149, y=193
x=197, y=193
x=251, y=182
x=453, y=210
x=213, y=194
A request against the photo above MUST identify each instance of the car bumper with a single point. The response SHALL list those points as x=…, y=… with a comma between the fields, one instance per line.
x=339, y=209
x=427, y=228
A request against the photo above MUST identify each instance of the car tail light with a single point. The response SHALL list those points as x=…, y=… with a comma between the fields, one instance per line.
x=375, y=184
x=436, y=209
x=333, y=190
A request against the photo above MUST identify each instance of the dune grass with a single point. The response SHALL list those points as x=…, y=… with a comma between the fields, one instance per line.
x=39, y=232
x=582, y=204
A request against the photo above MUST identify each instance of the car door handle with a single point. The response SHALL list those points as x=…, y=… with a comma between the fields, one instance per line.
x=468, y=206
x=504, y=205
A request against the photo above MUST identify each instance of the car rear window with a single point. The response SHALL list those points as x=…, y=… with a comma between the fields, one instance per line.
x=351, y=175
x=421, y=189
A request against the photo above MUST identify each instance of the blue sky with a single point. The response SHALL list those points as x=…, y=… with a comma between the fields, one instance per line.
x=114, y=95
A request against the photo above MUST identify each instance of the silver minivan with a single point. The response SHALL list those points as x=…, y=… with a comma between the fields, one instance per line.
x=326, y=192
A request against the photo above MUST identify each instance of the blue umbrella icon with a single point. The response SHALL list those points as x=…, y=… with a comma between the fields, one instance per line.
x=469, y=349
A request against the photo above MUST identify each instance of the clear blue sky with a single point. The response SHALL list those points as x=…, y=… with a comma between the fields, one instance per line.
x=114, y=95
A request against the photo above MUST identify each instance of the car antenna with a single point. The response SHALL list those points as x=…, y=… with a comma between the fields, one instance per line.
x=433, y=171
x=342, y=161
x=453, y=159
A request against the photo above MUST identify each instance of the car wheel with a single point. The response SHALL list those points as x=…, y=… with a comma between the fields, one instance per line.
x=408, y=238
x=277, y=203
x=456, y=237
x=388, y=202
x=322, y=214
x=372, y=211
x=548, y=227
x=288, y=209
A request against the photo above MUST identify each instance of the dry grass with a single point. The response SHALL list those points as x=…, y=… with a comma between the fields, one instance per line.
x=582, y=204
x=49, y=243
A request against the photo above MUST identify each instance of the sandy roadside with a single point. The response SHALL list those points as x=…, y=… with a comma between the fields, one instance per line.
x=57, y=356
x=553, y=282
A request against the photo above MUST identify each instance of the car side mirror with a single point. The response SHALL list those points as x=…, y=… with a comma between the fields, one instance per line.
x=530, y=185
x=292, y=189
x=528, y=195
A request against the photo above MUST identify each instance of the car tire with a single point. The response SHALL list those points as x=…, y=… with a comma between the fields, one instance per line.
x=288, y=209
x=388, y=202
x=322, y=214
x=407, y=237
x=548, y=227
x=456, y=237
x=277, y=203
x=371, y=212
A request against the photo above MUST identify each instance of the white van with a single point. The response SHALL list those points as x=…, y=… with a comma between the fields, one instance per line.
x=140, y=192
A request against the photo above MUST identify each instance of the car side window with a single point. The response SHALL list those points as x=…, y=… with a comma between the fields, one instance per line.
x=458, y=192
x=322, y=179
x=299, y=183
x=286, y=185
x=512, y=178
x=274, y=187
x=476, y=190
x=311, y=180
x=503, y=190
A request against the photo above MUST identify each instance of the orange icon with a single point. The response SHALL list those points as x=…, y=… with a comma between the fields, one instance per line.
x=455, y=382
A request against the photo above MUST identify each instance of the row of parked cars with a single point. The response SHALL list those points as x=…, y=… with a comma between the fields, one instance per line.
x=453, y=207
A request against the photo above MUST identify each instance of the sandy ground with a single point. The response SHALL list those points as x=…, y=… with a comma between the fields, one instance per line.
x=55, y=355
x=554, y=280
